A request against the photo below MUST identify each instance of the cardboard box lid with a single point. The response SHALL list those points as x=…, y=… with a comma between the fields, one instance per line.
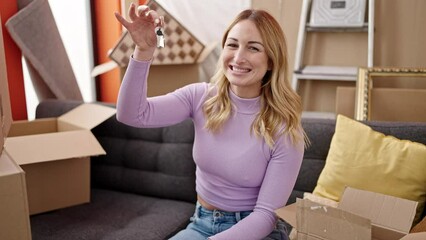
x=14, y=217
x=53, y=146
x=288, y=213
x=323, y=222
x=400, y=214
x=63, y=144
x=5, y=110
x=384, y=211
x=415, y=236
x=85, y=116
x=8, y=167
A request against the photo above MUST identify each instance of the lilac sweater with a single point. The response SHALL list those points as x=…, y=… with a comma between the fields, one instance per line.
x=236, y=171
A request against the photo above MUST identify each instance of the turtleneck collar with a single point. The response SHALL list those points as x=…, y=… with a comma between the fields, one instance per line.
x=245, y=105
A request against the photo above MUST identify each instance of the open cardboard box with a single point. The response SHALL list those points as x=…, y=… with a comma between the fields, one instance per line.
x=54, y=154
x=358, y=214
x=14, y=217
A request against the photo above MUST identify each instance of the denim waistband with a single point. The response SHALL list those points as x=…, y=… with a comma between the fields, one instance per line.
x=201, y=211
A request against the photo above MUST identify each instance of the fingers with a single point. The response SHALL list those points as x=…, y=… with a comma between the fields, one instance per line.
x=160, y=22
x=152, y=16
x=141, y=12
x=122, y=20
x=132, y=13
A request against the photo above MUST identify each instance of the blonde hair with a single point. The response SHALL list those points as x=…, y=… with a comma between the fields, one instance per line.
x=280, y=104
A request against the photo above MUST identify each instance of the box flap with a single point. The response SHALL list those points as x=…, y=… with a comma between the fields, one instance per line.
x=325, y=222
x=415, y=236
x=38, y=126
x=384, y=211
x=1, y=131
x=53, y=146
x=5, y=110
x=8, y=166
x=288, y=213
x=85, y=116
x=14, y=218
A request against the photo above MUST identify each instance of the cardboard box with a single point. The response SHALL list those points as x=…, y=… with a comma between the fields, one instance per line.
x=14, y=217
x=166, y=78
x=415, y=236
x=387, y=104
x=163, y=79
x=316, y=221
x=387, y=217
x=55, y=155
x=391, y=217
x=183, y=60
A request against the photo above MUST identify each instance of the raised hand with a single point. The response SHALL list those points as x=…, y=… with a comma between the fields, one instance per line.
x=141, y=27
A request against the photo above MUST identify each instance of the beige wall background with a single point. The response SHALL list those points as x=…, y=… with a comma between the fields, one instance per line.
x=400, y=38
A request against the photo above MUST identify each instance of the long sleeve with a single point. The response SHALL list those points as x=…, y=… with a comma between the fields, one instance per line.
x=279, y=180
x=134, y=108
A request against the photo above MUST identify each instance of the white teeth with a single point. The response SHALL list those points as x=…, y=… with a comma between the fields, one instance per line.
x=237, y=69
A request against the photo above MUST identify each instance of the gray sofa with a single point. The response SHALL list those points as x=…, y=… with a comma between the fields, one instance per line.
x=144, y=187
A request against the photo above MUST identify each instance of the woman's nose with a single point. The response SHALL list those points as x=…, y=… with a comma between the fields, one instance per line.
x=240, y=56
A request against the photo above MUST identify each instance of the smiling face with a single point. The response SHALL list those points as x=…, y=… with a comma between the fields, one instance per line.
x=245, y=61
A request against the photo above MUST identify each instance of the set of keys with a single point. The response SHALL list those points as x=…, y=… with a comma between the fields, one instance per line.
x=160, y=37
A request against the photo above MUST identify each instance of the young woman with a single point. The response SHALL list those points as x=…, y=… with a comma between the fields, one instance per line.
x=249, y=141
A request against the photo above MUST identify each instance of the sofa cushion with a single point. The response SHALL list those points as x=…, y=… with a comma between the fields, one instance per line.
x=114, y=215
x=362, y=158
x=149, y=161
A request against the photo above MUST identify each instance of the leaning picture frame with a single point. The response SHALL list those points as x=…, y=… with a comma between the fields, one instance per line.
x=365, y=81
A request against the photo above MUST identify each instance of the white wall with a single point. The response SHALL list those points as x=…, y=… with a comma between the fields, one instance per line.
x=74, y=23
x=206, y=19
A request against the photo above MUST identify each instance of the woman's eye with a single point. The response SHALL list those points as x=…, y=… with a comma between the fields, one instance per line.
x=254, y=49
x=232, y=45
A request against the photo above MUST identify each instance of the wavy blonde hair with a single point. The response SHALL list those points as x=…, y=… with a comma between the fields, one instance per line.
x=280, y=104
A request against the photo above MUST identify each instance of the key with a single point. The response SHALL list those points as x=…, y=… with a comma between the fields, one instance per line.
x=160, y=37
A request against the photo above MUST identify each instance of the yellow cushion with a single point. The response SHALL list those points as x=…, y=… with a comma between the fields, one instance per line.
x=362, y=158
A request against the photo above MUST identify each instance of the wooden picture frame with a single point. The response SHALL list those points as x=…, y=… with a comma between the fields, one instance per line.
x=364, y=85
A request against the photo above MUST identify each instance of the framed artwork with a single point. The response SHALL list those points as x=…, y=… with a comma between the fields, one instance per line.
x=365, y=82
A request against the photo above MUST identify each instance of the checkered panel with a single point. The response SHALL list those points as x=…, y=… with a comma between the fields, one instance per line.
x=122, y=50
x=181, y=47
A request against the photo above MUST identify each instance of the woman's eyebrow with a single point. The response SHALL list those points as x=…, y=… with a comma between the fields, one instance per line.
x=230, y=38
x=250, y=42
x=255, y=42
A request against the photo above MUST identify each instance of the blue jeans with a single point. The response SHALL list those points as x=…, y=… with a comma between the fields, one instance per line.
x=206, y=223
